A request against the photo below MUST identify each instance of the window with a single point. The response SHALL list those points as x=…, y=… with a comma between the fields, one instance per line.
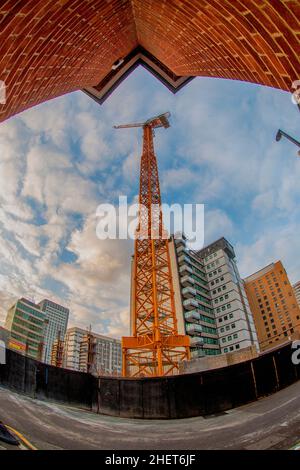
x=235, y=335
x=237, y=346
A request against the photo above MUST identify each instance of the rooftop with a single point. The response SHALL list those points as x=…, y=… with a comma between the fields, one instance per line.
x=261, y=272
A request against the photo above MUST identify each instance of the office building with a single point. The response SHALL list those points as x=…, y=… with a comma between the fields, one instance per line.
x=57, y=320
x=273, y=304
x=211, y=303
x=106, y=351
x=296, y=288
x=26, y=324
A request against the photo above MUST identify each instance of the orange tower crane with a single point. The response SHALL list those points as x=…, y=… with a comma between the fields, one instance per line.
x=156, y=348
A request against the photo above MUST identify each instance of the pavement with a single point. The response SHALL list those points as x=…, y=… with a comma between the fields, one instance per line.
x=271, y=423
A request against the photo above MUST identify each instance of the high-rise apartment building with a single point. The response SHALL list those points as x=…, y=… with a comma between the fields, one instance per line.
x=193, y=303
x=273, y=304
x=26, y=324
x=235, y=324
x=107, y=352
x=296, y=288
x=57, y=320
x=211, y=303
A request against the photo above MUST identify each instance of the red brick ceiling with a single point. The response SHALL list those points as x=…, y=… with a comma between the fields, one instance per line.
x=51, y=47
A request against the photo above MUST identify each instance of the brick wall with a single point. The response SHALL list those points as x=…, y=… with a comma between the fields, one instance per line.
x=51, y=47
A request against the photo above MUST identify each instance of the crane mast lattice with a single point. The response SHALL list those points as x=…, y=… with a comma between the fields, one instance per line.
x=155, y=347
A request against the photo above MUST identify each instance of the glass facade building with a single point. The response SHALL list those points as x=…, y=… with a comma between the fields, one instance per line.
x=57, y=318
x=26, y=324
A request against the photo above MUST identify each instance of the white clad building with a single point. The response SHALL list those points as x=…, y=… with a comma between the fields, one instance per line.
x=234, y=320
x=107, y=352
x=210, y=299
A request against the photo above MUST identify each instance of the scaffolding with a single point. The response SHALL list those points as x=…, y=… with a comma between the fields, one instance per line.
x=57, y=351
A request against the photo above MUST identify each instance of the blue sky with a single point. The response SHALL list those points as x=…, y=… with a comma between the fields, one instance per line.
x=61, y=159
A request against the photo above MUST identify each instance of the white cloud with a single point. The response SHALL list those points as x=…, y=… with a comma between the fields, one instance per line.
x=217, y=224
x=65, y=157
x=270, y=246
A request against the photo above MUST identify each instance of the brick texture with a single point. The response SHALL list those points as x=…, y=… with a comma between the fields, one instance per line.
x=51, y=47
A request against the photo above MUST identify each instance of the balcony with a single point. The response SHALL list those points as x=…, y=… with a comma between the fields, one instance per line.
x=185, y=268
x=187, y=280
x=190, y=304
x=181, y=258
x=194, y=329
x=180, y=249
x=192, y=316
x=195, y=353
x=188, y=292
x=196, y=341
x=179, y=242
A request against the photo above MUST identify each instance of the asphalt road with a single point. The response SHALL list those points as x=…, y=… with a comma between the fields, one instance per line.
x=271, y=423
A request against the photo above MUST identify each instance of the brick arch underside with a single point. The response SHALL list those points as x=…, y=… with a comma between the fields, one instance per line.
x=52, y=47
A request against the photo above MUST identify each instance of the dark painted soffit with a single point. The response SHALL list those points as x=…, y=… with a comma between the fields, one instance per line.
x=138, y=56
